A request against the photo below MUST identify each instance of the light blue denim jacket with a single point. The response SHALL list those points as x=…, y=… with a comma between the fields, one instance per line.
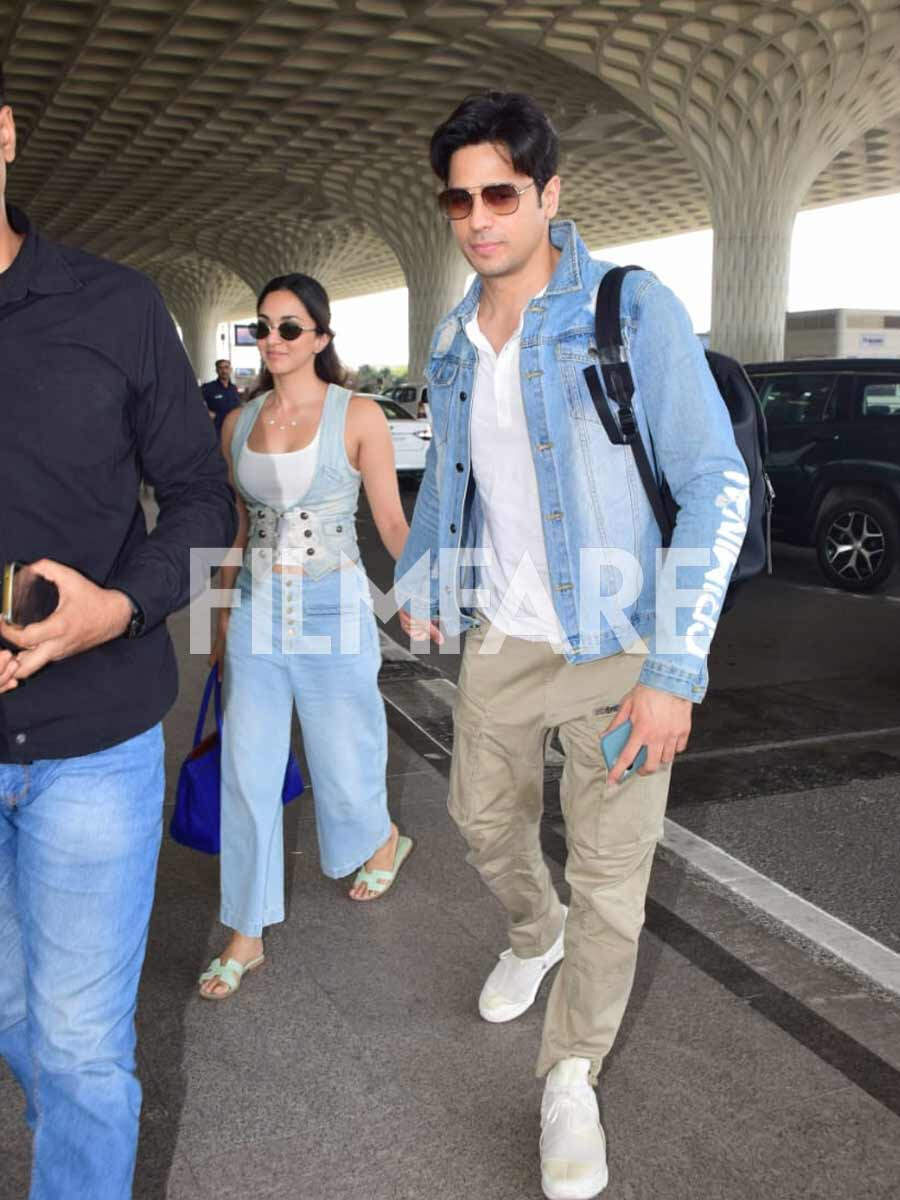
x=607, y=573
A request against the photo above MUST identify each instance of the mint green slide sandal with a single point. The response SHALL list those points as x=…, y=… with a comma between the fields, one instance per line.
x=379, y=881
x=231, y=973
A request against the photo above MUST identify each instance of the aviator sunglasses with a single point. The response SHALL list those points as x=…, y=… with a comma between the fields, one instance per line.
x=501, y=198
x=289, y=331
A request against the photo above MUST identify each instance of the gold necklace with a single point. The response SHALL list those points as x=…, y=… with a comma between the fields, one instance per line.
x=271, y=421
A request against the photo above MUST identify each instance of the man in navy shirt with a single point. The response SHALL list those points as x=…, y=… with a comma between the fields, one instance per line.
x=220, y=394
x=95, y=392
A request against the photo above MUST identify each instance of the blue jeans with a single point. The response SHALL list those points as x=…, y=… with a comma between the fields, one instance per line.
x=320, y=651
x=79, y=840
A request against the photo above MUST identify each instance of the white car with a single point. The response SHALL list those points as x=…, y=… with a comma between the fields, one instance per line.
x=411, y=437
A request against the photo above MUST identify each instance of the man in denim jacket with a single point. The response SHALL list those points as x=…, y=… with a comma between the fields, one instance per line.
x=532, y=531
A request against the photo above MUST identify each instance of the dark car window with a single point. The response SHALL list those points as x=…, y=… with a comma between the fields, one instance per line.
x=881, y=398
x=796, y=399
x=394, y=412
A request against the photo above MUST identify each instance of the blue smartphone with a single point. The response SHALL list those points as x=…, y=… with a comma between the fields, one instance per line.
x=613, y=743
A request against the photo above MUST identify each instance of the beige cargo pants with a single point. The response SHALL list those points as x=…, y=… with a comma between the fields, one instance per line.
x=506, y=706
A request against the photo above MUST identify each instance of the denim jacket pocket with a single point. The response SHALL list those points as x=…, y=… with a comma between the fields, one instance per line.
x=572, y=358
x=440, y=376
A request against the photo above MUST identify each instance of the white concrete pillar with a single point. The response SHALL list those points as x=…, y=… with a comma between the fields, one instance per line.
x=435, y=275
x=324, y=253
x=751, y=262
x=198, y=330
x=405, y=217
x=759, y=100
x=200, y=294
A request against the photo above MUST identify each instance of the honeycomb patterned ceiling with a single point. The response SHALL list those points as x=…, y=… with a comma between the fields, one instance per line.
x=248, y=134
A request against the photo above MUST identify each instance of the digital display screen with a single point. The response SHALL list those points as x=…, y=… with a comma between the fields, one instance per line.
x=243, y=336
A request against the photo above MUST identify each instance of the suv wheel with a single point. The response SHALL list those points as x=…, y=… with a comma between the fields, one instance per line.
x=857, y=542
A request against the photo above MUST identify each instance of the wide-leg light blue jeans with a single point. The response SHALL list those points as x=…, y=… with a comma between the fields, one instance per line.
x=79, y=840
x=313, y=643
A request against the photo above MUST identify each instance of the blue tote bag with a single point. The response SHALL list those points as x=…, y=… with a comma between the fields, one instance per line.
x=196, y=821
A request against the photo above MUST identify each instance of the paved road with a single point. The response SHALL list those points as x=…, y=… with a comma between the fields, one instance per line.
x=794, y=763
x=355, y=1064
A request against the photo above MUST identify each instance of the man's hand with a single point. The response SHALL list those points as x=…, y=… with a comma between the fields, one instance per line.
x=86, y=616
x=9, y=664
x=420, y=630
x=659, y=721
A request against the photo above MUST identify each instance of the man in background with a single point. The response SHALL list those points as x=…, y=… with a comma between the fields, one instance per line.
x=220, y=394
x=96, y=390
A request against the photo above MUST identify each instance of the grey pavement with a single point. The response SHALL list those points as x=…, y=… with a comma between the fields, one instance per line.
x=354, y=1063
x=794, y=759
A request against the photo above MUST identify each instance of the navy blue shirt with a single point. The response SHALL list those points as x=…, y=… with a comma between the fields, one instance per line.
x=220, y=399
x=96, y=393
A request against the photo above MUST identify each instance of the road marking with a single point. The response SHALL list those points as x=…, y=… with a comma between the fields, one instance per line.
x=821, y=589
x=445, y=751
x=817, y=739
x=859, y=951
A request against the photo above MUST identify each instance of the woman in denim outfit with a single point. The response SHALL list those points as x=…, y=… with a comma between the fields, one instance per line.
x=303, y=632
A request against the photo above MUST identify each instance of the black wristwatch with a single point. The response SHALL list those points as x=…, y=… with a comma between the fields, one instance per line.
x=135, y=626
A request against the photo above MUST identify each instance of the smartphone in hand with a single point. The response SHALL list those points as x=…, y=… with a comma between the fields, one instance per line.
x=27, y=597
x=613, y=743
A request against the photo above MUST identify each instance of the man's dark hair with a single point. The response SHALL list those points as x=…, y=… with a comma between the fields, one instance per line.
x=2, y=87
x=511, y=119
x=221, y=360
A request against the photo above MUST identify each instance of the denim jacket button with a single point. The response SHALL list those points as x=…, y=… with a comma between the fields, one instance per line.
x=310, y=550
x=453, y=529
x=460, y=467
x=463, y=395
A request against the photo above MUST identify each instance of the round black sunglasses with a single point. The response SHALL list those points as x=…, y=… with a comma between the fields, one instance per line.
x=289, y=331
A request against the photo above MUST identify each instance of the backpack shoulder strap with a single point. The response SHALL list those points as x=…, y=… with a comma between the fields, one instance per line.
x=607, y=314
x=620, y=387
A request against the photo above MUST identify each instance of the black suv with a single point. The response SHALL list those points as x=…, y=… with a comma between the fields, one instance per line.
x=834, y=461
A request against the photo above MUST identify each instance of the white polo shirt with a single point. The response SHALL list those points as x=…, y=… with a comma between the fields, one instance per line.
x=517, y=578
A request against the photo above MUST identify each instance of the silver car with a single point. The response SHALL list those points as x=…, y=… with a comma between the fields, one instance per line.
x=411, y=396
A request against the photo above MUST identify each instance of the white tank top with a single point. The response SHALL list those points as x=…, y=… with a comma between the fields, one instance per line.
x=276, y=479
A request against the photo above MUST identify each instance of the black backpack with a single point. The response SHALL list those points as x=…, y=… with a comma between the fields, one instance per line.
x=744, y=409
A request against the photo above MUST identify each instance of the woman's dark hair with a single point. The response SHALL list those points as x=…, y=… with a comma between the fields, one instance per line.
x=314, y=299
x=508, y=118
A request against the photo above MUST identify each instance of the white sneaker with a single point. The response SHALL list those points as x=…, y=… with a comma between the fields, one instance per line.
x=573, y=1145
x=513, y=984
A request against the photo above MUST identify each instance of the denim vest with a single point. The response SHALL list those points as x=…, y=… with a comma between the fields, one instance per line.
x=611, y=588
x=315, y=529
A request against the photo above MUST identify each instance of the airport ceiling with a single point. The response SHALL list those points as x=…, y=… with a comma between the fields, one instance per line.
x=166, y=133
